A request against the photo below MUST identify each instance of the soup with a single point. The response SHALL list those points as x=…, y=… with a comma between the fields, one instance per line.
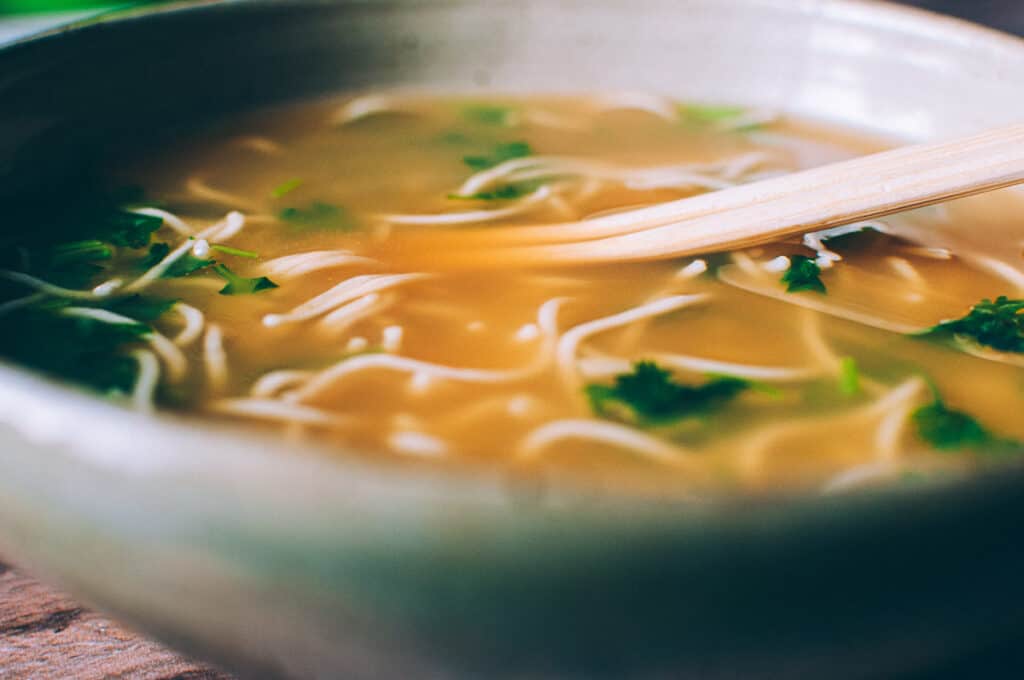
x=261, y=275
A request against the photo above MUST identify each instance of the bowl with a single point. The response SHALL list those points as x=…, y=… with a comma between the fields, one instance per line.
x=283, y=561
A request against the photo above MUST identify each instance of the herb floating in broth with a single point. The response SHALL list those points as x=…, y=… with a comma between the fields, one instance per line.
x=730, y=118
x=649, y=396
x=486, y=114
x=286, y=188
x=849, y=377
x=948, y=430
x=237, y=252
x=183, y=266
x=240, y=285
x=501, y=153
x=318, y=215
x=803, y=274
x=130, y=230
x=85, y=344
x=141, y=308
x=505, y=192
x=709, y=114
x=997, y=324
x=699, y=377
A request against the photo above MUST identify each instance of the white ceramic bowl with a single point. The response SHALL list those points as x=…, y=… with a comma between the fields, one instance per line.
x=274, y=560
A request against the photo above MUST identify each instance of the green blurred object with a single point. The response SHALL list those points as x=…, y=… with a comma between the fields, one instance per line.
x=8, y=7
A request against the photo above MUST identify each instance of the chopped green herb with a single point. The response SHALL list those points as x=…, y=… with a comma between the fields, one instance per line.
x=73, y=265
x=88, y=250
x=501, y=153
x=803, y=274
x=649, y=396
x=999, y=325
x=130, y=230
x=949, y=430
x=319, y=215
x=849, y=376
x=157, y=252
x=852, y=237
x=699, y=113
x=486, y=114
x=141, y=307
x=286, y=188
x=81, y=350
x=228, y=250
x=506, y=192
x=454, y=137
x=240, y=285
x=183, y=266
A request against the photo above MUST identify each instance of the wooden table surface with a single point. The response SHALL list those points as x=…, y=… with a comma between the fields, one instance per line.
x=44, y=634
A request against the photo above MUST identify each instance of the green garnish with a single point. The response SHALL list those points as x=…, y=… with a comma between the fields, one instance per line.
x=286, y=187
x=140, y=307
x=81, y=350
x=849, y=376
x=240, y=285
x=803, y=274
x=703, y=115
x=501, y=153
x=68, y=242
x=454, y=137
x=506, y=192
x=999, y=325
x=709, y=113
x=183, y=266
x=948, y=430
x=73, y=264
x=228, y=250
x=649, y=396
x=88, y=250
x=487, y=114
x=319, y=215
x=850, y=238
x=129, y=230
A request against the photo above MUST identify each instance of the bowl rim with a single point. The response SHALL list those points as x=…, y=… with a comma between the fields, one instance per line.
x=68, y=416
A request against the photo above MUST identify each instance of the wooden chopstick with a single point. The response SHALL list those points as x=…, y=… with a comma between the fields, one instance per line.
x=832, y=195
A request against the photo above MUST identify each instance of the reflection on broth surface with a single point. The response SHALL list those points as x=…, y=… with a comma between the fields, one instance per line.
x=256, y=278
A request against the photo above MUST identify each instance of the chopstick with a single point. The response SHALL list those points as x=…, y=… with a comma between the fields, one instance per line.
x=840, y=193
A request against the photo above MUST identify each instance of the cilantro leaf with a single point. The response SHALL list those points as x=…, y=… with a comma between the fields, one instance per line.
x=849, y=376
x=318, y=215
x=501, y=153
x=949, y=430
x=241, y=285
x=237, y=252
x=286, y=187
x=183, y=266
x=142, y=308
x=74, y=264
x=649, y=396
x=81, y=350
x=454, y=138
x=998, y=324
x=129, y=230
x=708, y=113
x=75, y=252
x=157, y=252
x=489, y=114
x=730, y=118
x=505, y=192
x=803, y=274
